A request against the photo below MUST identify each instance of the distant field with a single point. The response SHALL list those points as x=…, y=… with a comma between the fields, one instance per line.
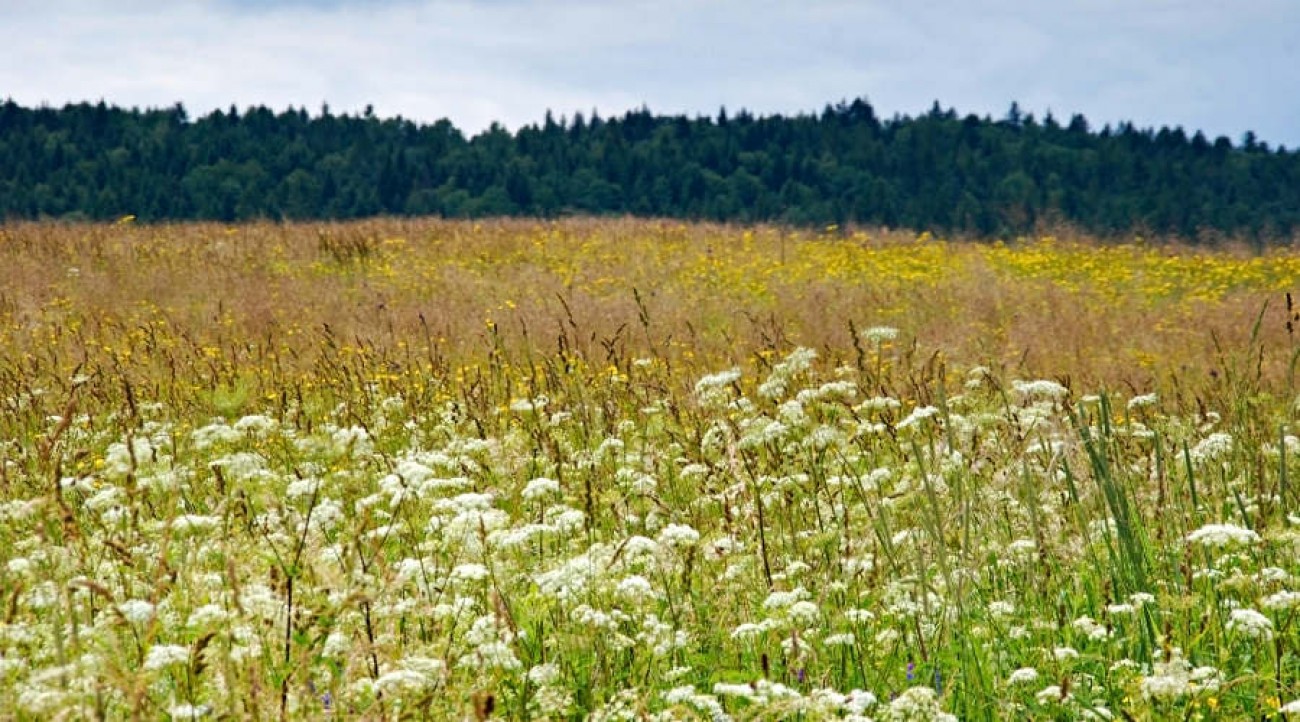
x=643, y=470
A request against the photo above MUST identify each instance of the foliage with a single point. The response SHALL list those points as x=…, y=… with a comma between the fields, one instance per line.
x=843, y=166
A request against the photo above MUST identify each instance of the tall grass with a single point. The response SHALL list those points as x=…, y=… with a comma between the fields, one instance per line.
x=638, y=470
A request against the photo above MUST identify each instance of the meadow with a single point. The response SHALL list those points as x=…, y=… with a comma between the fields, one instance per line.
x=633, y=470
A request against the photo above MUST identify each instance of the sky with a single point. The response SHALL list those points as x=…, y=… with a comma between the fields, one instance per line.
x=1220, y=67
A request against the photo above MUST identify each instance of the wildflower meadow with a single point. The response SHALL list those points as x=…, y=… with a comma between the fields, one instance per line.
x=632, y=470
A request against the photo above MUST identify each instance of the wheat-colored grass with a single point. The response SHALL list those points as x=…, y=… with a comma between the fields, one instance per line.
x=129, y=300
x=642, y=470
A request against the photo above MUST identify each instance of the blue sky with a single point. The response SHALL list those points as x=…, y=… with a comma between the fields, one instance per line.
x=1220, y=67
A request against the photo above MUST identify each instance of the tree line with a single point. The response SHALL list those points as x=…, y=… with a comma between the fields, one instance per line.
x=845, y=165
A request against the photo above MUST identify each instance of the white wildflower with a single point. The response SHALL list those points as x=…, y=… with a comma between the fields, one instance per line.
x=469, y=573
x=1024, y=675
x=678, y=535
x=781, y=600
x=917, y=703
x=299, y=488
x=880, y=334
x=1273, y=574
x=1051, y=693
x=194, y=524
x=337, y=644
x=544, y=674
x=136, y=611
x=540, y=488
x=492, y=656
x=859, y=701
x=842, y=639
x=1091, y=628
x=1285, y=599
x=1213, y=447
x=1174, y=677
x=731, y=689
x=353, y=438
x=859, y=616
x=1142, y=401
x=1221, y=535
x=1164, y=686
x=1250, y=623
x=432, y=669
x=208, y=615
x=243, y=466
x=189, y=711
x=1001, y=609
x=919, y=414
x=1141, y=599
x=803, y=613
x=215, y=433
x=161, y=656
x=1041, y=388
x=401, y=680
x=255, y=424
x=636, y=588
x=747, y=631
x=718, y=380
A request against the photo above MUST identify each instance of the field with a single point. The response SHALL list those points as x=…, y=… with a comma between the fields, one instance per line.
x=637, y=470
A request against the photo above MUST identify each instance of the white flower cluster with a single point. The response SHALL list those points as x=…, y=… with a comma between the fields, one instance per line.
x=1212, y=448
x=1175, y=677
x=1040, y=389
x=1250, y=623
x=1222, y=535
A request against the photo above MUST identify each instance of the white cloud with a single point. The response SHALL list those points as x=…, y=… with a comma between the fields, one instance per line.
x=1200, y=64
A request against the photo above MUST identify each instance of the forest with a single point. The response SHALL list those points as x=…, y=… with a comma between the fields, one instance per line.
x=938, y=171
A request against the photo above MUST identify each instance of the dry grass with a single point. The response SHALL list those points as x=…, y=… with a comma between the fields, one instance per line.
x=147, y=302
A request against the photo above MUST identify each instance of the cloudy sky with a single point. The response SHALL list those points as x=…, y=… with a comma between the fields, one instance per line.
x=1223, y=67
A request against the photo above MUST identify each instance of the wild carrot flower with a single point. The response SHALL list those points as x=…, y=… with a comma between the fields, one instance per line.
x=136, y=611
x=399, y=681
x=1222, y=535
x=678, y=535
x=636, y=588
x=919, y=414
x=1142, y=401
x=880, y=334
x=1052, y=694
x=1024, y=675
x=161, y=656
x=916, y=703
x=1042, y=389
x=183, y=712
x=1211, y=448
x=1282, y=600
x=716, y=381
x=540, y=488
x=1250, y=623
x=842, y=639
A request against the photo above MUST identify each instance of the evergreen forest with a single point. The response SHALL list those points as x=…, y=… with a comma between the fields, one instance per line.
x=938, y=171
